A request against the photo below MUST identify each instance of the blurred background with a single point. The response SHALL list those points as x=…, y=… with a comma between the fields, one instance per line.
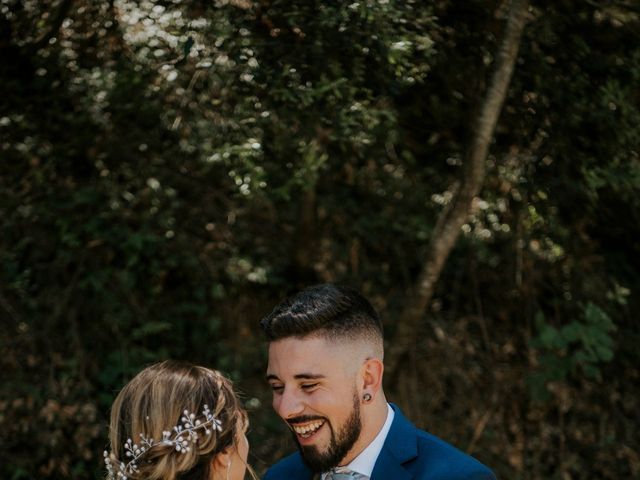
x=171, y=169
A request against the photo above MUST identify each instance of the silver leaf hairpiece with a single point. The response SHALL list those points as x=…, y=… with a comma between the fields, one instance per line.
x=181, y=438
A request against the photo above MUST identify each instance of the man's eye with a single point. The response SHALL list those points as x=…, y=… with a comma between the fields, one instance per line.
x=309, y=386
x=277, y=388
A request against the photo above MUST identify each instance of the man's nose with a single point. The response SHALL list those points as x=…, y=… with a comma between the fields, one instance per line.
x=288, y=405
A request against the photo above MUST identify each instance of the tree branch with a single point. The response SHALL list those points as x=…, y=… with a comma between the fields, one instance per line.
x=451, y=219
x=58, y=18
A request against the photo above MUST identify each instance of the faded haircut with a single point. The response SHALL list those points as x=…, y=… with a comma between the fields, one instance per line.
x=337, y=312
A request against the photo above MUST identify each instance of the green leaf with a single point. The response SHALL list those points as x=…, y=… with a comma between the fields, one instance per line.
x=149, y=329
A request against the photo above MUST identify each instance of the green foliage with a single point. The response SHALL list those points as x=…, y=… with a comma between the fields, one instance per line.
x=579, y=347
x=171, y=169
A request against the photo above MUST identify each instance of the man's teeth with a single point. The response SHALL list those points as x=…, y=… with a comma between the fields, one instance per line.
x=309, y=428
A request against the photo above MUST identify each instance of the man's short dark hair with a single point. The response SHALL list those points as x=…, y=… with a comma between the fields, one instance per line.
x=327, y=309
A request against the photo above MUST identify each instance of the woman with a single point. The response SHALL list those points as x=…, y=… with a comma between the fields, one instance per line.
x=177, y=421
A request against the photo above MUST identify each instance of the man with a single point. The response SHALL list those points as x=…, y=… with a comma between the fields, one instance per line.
x=325, y=370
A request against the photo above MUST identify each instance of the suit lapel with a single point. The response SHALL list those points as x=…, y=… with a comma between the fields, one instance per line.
x=300, y=471
x=400, y=446
x=387, y=466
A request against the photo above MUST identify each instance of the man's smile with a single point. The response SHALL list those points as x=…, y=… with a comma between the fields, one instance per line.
x=305, y=431
x=305, y=428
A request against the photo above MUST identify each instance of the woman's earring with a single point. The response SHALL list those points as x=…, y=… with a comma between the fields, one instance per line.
x=228, y=469
x=366, y=397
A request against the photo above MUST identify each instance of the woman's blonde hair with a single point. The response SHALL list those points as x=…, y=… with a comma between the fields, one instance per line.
x=154, y=402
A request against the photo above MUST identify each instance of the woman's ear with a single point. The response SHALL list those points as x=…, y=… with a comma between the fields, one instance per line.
x=221, y=464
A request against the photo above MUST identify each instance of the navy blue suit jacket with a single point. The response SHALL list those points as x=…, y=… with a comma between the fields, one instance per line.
x=407, y=454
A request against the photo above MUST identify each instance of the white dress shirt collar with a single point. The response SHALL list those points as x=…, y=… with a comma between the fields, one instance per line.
x=365, y=462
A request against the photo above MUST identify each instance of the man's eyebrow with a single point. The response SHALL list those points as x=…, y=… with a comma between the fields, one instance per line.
x=299, y=376
x=309, y=376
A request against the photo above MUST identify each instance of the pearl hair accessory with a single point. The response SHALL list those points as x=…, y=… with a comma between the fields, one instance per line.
x=179, y=438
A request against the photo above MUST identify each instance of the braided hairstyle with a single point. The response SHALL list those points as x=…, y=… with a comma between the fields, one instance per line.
x=154, y=401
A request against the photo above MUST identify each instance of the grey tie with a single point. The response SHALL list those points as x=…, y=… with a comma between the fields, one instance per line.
x=344, y=474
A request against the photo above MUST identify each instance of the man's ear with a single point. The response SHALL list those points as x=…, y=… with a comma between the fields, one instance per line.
x=371, y=378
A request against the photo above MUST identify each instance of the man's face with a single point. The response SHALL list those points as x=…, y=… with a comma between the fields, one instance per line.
x=314, y=391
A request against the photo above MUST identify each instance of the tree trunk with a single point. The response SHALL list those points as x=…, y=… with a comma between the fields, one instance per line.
x=449, y=224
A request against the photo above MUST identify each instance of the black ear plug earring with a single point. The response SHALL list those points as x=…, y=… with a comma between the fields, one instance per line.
x=366, y=397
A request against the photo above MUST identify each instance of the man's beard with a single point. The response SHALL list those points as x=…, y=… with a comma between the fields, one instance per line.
x=339, y=444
